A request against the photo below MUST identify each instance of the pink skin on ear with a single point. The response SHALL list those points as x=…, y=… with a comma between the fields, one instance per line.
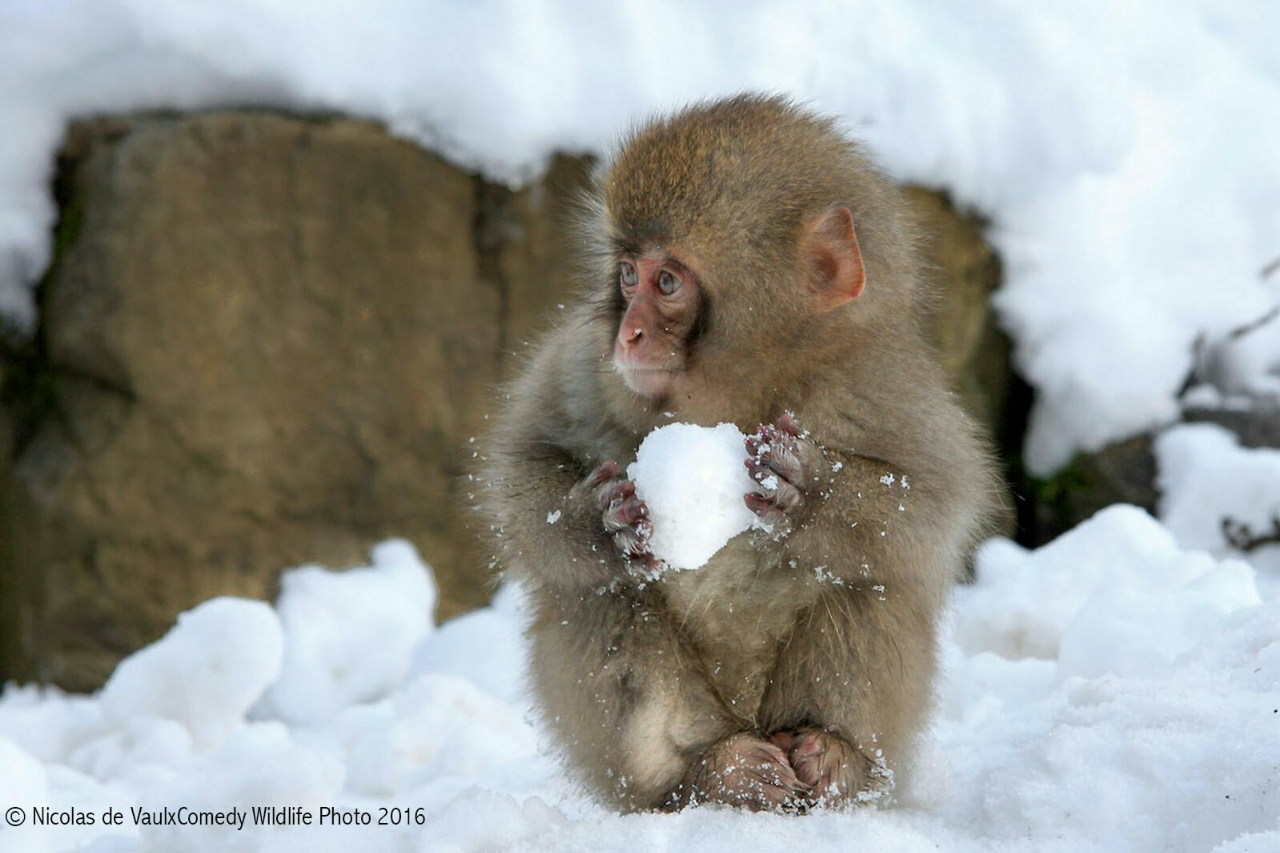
x=833, y=247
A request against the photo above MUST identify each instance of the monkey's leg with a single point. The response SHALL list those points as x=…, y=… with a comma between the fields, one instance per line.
x=830, y=767
x=852, y=688
x=636, y=716
x=741, y=770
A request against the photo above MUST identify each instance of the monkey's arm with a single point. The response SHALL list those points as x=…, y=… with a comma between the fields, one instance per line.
x=861, y=518
x=548, y=528
x=854, y=680
x=854, y=684
x=545, y=492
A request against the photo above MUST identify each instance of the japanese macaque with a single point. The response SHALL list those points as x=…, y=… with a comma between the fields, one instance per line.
x=744, y=263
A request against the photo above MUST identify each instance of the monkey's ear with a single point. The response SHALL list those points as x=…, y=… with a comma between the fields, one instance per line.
x=833, y=250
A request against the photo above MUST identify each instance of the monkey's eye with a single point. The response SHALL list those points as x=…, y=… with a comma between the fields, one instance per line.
x=627, y=275
x=668, y=283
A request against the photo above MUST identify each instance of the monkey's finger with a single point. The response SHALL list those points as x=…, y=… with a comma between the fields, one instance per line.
x=645, y=565
x=625, y=512
x=588, y=488
x=779, y=451
x=810, y=771
x=796, y=457
x=782, y=492
x=769, y=479
x=775, y=455
x=765, y=508
x=604, y=473
x=783, y=740
x=614, y=491
x=806, y=744
x=787, y=423
x=633, y=542
x=771, y=775
x=788, y=497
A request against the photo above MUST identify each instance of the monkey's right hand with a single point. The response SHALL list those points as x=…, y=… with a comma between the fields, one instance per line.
x=624, y=515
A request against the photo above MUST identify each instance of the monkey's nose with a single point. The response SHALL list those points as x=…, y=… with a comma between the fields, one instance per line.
x=632, y=335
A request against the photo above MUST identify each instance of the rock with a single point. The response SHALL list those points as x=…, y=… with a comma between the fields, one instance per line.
x=268, y=343
x=1255, y=427
x=1125, y=472
x=266, y=340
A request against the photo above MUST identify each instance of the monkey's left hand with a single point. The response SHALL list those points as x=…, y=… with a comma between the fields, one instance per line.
x=624, y=515
x=784, y=461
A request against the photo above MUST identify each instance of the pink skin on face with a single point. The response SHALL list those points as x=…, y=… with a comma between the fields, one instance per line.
x=662, y=303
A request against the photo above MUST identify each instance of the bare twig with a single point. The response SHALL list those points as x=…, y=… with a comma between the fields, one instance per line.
x=1271, y=269
x=1241, y=536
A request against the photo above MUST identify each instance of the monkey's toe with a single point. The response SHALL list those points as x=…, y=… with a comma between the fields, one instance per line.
x=747, y=772
x=825, y=762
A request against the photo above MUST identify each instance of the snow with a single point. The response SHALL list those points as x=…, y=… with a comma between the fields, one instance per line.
x=350, y=636
x=205, y=673
x=1206, y=478
x=693, y=480
x=1110, y=691
x=1243, y=364
x=1117, y=689
x=1124, y=154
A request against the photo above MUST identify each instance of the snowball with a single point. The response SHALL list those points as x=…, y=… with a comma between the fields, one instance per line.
x=693, y=481
x=205, y=673
x=350, y=635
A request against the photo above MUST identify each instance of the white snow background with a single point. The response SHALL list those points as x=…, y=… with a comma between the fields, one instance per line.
x=1124, y=151
x=1117, y=690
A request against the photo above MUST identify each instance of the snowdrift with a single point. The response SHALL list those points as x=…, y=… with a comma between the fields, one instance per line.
x=1109, y=691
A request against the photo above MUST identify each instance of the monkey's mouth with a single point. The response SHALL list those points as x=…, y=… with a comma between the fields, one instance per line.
x=645, y=381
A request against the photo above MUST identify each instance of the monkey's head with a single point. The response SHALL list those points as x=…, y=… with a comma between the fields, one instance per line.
x=732, y=233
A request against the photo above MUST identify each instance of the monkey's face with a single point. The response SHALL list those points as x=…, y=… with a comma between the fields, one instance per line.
x=661, y=302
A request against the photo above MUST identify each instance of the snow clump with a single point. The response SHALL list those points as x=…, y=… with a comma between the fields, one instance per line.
x=693, y=480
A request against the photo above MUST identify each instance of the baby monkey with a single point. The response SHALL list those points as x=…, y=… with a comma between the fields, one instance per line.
x=743, y=263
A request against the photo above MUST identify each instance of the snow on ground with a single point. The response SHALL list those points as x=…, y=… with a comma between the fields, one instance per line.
x=1125, y=152
x=1109, y=691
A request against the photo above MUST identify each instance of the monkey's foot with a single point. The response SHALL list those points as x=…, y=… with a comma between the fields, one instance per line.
x=745, y=771
x=827, y=764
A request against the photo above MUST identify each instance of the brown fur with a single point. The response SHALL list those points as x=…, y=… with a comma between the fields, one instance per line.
x=830, y=630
